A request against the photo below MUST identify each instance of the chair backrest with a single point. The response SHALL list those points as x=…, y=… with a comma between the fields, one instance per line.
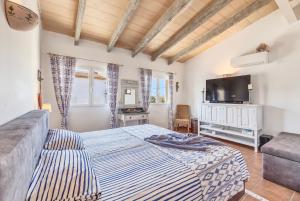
x=183, y=112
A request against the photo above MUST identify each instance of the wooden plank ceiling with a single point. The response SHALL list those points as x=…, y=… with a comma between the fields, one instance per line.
x=176, y=30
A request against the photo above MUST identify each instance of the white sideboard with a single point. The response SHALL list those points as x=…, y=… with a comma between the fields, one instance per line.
x=241, y=123
x=126, y=117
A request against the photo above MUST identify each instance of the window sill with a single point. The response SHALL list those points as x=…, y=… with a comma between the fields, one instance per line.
x=159, y=103
x=88, y=106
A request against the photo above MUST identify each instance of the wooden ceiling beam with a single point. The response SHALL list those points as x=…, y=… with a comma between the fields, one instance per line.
x=200, y=18
x=132, y=6
x=221, y=28
x=286, y=10
x=175, y=8
x=79, y=18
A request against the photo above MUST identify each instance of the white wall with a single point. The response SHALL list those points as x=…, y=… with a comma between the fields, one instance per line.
x=95, y=118
x=276, y=85
x=19, y=61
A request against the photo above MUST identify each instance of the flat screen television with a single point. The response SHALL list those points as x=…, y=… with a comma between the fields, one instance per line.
x=228, y=90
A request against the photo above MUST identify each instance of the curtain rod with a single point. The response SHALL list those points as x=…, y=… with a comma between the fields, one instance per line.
x=121, y=65
x=158, y=70
x=87, y=59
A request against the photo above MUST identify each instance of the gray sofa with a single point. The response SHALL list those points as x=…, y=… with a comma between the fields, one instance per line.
x=281, y=160
x=21, y=142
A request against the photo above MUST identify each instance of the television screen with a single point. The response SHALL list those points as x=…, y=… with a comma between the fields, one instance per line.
x=228, y=90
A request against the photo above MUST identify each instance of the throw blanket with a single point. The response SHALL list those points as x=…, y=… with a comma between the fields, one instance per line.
x=180, y=141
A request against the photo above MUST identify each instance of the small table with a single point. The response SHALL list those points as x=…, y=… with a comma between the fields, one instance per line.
x=194, y=126
x=125, y=117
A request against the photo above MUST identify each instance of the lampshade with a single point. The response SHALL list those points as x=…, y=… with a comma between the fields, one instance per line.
x=250, y=87
x=47, y=106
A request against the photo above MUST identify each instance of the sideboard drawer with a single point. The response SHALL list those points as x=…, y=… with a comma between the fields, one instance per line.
x=140, y=116
x=129, y=117
x=243, y=116
x=143, y=116
x=136, y=117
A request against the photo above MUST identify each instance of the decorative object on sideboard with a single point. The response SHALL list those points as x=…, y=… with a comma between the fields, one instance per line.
x=177, y=86
x=20, y=17
x=250, y=88
x=203, y=95
x=40, y=79
x=263, y=47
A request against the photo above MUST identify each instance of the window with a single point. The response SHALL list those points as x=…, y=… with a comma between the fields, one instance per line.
x=99, y=89
x=159, y=90
x=89, y=87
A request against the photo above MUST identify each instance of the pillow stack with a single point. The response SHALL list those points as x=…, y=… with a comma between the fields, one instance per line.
x=59, y=139
x=64, y=171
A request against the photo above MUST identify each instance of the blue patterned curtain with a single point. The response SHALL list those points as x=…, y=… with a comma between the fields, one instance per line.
x=146, y=79
x=171, y=94
x=113, y=78
x=62, y=68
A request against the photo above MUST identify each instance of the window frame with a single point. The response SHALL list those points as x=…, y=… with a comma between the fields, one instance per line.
x=91, y=89
x=158, y=78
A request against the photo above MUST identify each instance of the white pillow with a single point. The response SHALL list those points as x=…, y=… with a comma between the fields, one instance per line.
x=59, y=139
x=65, y=175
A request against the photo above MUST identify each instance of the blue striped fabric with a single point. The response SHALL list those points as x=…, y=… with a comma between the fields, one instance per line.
x=243, y=166
x=145, y=173
x=142, y=171
x=64, y=176
x=59, y=139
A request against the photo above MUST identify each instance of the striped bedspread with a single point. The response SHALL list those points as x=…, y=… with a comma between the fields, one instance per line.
x=130, y=169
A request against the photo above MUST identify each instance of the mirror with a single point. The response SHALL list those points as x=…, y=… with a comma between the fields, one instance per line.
x=129, y=93
x=129, y=97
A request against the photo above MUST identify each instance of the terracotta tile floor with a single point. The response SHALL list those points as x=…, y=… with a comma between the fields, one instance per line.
x=256, y=183
x=260, y=186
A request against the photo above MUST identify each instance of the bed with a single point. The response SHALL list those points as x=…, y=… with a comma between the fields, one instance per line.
x=127, y=167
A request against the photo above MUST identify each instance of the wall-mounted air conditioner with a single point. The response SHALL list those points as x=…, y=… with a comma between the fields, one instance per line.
x=250, y=60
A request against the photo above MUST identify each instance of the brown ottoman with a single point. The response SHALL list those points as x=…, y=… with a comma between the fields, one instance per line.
x=281, y=160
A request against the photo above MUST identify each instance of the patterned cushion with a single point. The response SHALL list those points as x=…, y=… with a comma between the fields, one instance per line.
x=59, y=139
x=65, y=175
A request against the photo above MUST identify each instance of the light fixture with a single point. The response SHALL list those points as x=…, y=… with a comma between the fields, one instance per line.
x=177, y=86
x=19, y=17
x=250, y=87
x=203, y=95
x=226, y=75
x=128, y=91
x=47, y=106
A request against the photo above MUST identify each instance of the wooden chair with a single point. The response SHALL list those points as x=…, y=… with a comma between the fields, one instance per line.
x=183, y=117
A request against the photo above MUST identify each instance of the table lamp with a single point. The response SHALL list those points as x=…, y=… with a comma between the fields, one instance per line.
x=47, y=106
